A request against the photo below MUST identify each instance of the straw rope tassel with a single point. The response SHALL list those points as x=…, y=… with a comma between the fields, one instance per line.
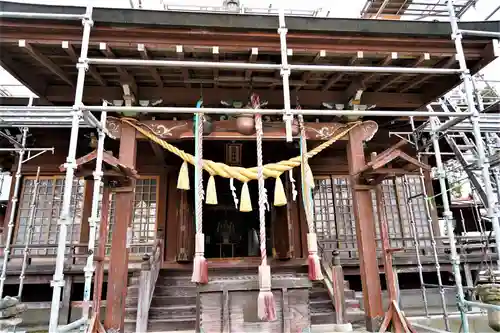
x=314, y=265
x=272, y=170
x=266, y=307
x=200, y=267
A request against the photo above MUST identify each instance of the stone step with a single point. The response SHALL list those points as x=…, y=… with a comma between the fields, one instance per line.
x=320, y=307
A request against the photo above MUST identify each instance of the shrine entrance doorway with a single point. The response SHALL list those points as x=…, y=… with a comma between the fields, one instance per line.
x=230, y=233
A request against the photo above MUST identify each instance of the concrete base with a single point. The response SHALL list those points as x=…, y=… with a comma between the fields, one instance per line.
x=331, y=328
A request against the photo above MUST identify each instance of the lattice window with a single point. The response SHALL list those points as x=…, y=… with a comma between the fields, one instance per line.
x=48, y=209
x=334, y=216
x=144, y=215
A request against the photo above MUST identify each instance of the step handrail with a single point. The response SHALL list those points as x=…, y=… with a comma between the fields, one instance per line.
x=334, y=285
x=147, y=282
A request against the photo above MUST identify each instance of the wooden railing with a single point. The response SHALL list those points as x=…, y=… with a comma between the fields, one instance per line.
x=334, y=283
x=147, y=282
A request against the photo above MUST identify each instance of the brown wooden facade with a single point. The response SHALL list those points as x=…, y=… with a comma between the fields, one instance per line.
x=42, y=55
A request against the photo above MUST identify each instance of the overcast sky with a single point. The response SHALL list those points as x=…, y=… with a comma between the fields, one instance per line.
x=335, y=8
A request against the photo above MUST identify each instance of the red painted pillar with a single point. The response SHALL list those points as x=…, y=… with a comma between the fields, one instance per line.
x=118, y=266
x=365, y=233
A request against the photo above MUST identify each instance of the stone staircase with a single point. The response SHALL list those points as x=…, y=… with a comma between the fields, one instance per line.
x=173, y=307
x=321, y=306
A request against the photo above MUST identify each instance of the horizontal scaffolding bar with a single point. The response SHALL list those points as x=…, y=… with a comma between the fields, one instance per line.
x=41, y=15
x=480, y=33
x=153, y=109
x=36, y=108
x=483, y=305
x=26, y=149
x=238, y=65
x=72, y=326
x=450, y=123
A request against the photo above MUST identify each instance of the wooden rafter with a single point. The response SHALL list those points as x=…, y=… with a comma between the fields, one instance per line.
x=154, y=72
x=338, y=76
x=215, y=57
x=125, y=76
x=362, y=81
x=46, y=62
x=251, y=59
x=70, y=50
x=180, y=56
x=447, y=63
x=212, y=96
x=391, y=79
x=307, y=75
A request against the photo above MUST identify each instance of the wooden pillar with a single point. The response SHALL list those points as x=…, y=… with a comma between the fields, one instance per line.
x=365, y=233
x=101, y=251
x=172, y=223
x=429, y=189
x=118, y=267
x=86, y=213
x=65, y=312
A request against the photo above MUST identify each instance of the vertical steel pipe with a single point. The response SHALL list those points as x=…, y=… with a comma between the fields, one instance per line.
x=29, y=235
x=407, y=195
x=482, y=162
x=94, y=218
x=64, y=219
x=285, y=74
x=455, y=259
x=13, y=209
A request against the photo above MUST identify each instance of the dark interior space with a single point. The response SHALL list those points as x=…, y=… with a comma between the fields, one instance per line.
x=229, y=232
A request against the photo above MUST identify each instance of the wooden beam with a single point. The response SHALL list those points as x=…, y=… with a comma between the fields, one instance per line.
x=46, y=62
x=70, y=50
x=25, y=77
x=394, y=78
x=446, y=63
x=125, y=76
x=251, y=59
x=365, y=233
x=364, y=78
x=215, y=58
x=212, y=96
x=180, y=56
x=118, y=267
x=338, y=76
x=307, y=75
x=227, y=130
x=154, y=73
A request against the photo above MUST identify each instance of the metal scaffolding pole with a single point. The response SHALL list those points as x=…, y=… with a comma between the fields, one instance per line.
x=285, y=74
x=94, y=220
x=58, y=281
x=47, y=16
x=482, y=162
x=431, y=230
x=448, y=217
x=242, y=65
x=368, y=113
x=480, y=33
x=407, y=195
x=12, y=213
x=29, y=236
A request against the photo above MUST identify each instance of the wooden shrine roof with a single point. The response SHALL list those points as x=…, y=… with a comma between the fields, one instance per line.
x=42, y=54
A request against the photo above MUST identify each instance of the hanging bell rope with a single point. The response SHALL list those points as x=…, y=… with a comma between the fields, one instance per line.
x=200, y=266
x=266, y=307
x=307, y=180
